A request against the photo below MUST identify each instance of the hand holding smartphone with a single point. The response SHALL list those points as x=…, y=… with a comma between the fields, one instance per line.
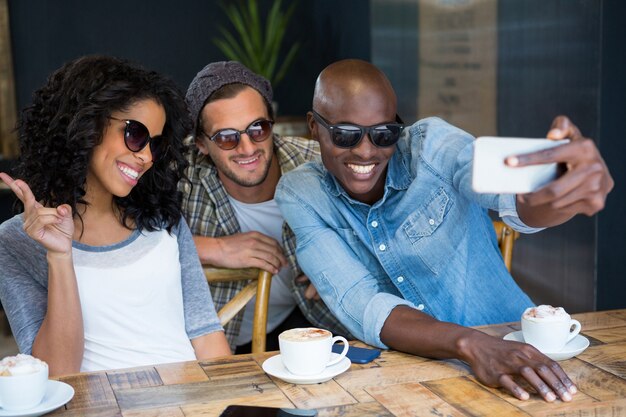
x=491, y=175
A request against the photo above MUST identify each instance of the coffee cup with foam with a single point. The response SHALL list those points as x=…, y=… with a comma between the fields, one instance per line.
x=548, y=328
x=308, y=351
x=23, y=382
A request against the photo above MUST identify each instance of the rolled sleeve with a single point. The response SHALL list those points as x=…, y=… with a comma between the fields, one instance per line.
x=507, y=210
x=376, y=313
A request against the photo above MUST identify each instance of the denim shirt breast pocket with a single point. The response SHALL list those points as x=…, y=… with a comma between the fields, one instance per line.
x=435, y=231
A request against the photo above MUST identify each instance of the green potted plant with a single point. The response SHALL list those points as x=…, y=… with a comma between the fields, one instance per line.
x=257, y=44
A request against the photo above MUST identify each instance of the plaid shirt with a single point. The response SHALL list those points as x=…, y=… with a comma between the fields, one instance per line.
x=209, y=213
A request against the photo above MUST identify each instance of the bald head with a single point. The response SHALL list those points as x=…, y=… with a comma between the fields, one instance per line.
x=351, y=81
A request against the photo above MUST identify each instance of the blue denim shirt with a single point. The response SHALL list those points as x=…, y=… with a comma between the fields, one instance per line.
x=428, y=243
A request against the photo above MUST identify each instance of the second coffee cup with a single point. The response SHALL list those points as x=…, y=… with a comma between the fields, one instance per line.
x=548, y=328
x=23, y=383
x=307, y=351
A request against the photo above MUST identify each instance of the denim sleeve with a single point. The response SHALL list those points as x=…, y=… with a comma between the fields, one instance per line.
x=344, y=283
x=200, y=315
x=449, y=151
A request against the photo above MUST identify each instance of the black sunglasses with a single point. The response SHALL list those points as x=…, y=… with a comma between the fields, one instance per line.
x=229, y=138
x=348, y=135
x=137, y=136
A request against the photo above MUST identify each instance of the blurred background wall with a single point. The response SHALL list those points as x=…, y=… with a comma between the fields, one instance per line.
x=537, y=59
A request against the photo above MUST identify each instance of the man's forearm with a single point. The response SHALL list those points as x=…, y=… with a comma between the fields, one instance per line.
x=409, y=330
x=208, y=252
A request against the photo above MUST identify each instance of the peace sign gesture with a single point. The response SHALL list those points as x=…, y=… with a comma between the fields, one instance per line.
x=53, y=228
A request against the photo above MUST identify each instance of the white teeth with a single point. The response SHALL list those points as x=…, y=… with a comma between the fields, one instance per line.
x=361, y=169
x=247, y=161
x=130, y=172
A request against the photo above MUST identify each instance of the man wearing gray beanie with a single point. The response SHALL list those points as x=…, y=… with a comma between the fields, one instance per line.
x=230, y=206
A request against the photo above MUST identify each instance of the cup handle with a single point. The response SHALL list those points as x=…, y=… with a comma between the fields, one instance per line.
x=574, y=333
x=342, y=355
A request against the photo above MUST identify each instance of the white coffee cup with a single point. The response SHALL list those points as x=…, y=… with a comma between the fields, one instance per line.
x=307, y=351
x=548, y=328
x=26, y=387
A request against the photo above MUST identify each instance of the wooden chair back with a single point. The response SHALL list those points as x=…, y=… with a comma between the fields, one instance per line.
x=259, y=286
x=506, y=238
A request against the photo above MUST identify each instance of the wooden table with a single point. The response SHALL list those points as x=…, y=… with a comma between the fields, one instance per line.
x=396, y=384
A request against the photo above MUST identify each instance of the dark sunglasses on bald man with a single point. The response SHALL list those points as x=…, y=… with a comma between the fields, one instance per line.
x=229, y=138
x=348, y=135
x=137, y=136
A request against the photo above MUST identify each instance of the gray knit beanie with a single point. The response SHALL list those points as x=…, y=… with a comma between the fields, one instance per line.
x=218, y=74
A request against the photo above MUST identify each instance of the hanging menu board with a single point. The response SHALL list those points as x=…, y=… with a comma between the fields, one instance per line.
x=458, y=63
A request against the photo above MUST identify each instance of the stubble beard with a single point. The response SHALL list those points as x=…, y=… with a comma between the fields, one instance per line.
x=244, y=182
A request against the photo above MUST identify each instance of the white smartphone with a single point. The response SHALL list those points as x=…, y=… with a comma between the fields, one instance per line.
x=491, y=175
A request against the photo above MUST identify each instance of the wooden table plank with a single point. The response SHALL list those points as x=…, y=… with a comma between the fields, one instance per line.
x=593, y=381
x=471, y=398
x=155, y=412
x=611, y=357
x=88, y=412
x=613, y=408
x=610, y=335
x=394, y=358
x=235, y=369
x=315, y=395
x=181, y=373
x=356, y=382
x=355, y=410
x=499, y=330
x=141, y=378
x=599, y=320
x=194, y=393
x=91, y=391
x=620, y=314
x=214, y=408
x=412, y=400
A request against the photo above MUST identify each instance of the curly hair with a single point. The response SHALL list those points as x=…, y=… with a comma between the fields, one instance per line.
x=67, y=119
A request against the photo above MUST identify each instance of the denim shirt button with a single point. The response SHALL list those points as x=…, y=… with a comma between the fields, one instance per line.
x=382, y=246
x=431, y=222
x=374, y=223
x=400, y=278
x=420, y=307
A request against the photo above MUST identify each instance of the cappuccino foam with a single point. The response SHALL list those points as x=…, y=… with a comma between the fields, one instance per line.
x=545, y=313
x=305, y=334
x=21, y=365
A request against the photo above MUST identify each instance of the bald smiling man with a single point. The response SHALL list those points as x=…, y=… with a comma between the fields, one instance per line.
x=399, y=246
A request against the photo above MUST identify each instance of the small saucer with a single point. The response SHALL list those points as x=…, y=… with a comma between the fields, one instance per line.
x=274, y=366
x=574, y=347
x=57, y=394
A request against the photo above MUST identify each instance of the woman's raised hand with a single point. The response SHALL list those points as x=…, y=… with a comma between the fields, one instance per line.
x=53, y=228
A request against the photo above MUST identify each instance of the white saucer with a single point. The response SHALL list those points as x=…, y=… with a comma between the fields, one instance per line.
x=574, y=347
x=274, y=366
x=57, y=394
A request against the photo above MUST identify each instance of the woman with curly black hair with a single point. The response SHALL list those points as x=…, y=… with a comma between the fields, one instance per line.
x=100, y=271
